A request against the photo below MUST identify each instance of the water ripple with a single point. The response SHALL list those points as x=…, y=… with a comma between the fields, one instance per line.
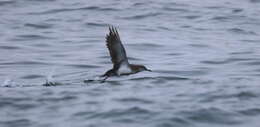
x=35, y=76
x=56, y=99
x=83, y=66
x=39, y=26
x=30, y=37
x=25, y=63
x=9, y=47
x=167, y=78
x=17, y=103
x=252, y=63
x=16, y=123
x=97, y=24
x=121, y=113
x=173, y=121
x=54, y=11
x=141, y=16
x=6, y=2
x=231, y=60
x=237, y=10
x=220, y=18
x=250, y=112
x=254, y=1
x=241, y=31
x=183, y=10
x=243, y=95
x=213, y=115
x=134, y=100
x=186, y=72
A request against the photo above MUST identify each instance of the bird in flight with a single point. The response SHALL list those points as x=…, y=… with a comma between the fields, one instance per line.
x=121, y=66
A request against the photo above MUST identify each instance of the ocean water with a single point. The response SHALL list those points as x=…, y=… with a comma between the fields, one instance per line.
x=205, y=57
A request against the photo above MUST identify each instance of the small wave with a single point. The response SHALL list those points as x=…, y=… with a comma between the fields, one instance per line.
x=39, y=26
x=9, y=47
x=229, y=61
x=199, y=45
x=241, y=31
x=18, y=103
x=121, y=113
x=202, y=81
x=164, y=28
x=115, y=83
x=214, y=7
x=214, y=62
x=30, y=37
x=172, y=78
x=183, y=10
x=242, y=52
x=251, y=41
x=54, y=11
x=48, y=0
x=254, y=1
x=250, y=112
x=237, y=10
x=124, y=116
x=187, y=73
x=24, y=63
x=220, y=18
x=252, y=63
x=147, y=45
x=134, y=100
x=31, y=76
x=83, y=114
x=174, y=54
x=213, y=115
x=6, y=2
x=141, y=16
x=148, y=29
x=240, y=59
x=174, y=121
x=243, y=95
x=83, y=66
x=56, y=99
x=97, y=24
x=192, y=17
x=17, y=122
x=139, y=4
x=161, y=77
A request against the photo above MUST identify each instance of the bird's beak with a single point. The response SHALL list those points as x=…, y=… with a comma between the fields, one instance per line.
x=148, y=70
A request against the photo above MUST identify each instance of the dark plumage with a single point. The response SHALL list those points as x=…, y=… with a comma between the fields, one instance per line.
x=121, y=66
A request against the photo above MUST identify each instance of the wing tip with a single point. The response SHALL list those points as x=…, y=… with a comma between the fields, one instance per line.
x=113, y=33
x=113, y=29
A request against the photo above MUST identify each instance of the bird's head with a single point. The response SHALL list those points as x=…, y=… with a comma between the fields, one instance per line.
x=139, y=68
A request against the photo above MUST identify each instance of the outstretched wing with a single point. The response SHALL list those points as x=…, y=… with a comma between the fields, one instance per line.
x=115, y=47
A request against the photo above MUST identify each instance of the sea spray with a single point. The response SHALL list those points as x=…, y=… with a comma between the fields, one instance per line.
x=8, y=82
x=50, y=81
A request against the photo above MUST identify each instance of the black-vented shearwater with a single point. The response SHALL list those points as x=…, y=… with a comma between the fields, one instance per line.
x=121, y=66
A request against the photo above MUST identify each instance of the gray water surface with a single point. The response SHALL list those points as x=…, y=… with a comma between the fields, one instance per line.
x=204, y=55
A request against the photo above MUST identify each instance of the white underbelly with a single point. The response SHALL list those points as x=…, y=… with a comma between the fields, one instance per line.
x=124, y=69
